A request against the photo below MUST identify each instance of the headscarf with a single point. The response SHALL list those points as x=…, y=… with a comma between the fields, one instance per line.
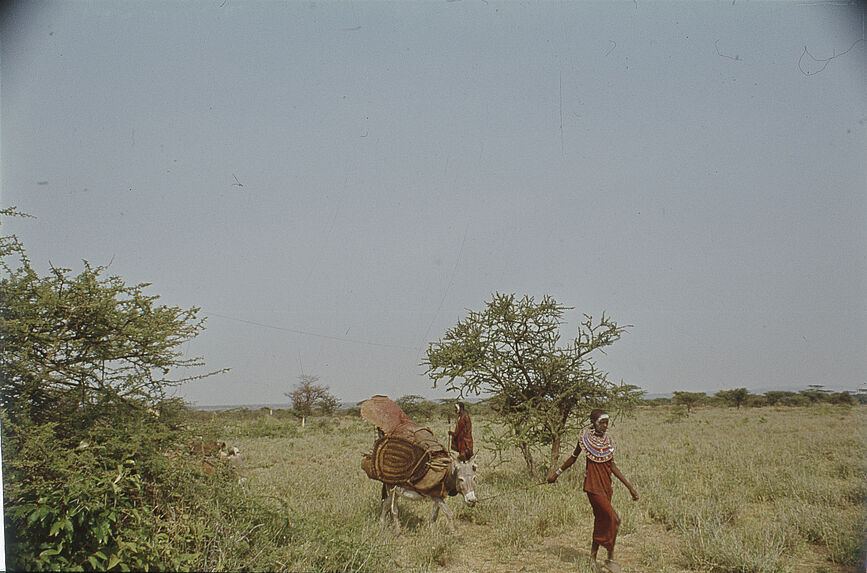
x=595, y=414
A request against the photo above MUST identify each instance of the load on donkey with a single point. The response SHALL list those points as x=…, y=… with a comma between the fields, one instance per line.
x=412, y=463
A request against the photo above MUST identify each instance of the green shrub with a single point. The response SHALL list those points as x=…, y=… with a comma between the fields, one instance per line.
x=82, y=506
x=95, y=522
x=416, y=407
x=677, y=414
x=122, y=494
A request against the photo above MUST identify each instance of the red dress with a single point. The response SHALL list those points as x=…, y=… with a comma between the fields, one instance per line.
x=597, y=484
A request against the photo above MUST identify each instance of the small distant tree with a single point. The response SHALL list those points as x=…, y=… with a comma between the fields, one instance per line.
x=756, y=401
x=842, y=398
x=779, y=397
x=689, y=399
x=329, y=404
x=308, y=396
x=734, y=397
x=416, y=407
x=816, y=393
x=656, y=402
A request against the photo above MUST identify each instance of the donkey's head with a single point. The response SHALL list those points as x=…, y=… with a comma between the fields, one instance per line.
x=465, y=476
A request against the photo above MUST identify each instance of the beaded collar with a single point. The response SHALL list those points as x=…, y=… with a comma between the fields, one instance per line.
x=595, y=448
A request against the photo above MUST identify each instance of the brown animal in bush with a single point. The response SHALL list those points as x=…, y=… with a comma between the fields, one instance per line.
x=199, y=447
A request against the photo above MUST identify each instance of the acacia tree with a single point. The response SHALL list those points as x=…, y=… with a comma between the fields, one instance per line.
x=415, y=406
x=69, y=341
x=775, y=397
x=308, y=395
x=540, y=390
x=689, y=399
x=816, y=393
x=734, y=397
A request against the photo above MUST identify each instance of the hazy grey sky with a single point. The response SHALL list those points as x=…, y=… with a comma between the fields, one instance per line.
x=335, y=184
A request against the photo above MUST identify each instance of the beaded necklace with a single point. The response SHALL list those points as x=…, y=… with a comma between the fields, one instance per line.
x=596, y=448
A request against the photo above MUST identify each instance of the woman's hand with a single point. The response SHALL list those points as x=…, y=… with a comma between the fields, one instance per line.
x=634, y=494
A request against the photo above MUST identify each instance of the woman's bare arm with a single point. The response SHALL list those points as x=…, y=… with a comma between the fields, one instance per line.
x=566, y=465
x=616, y=471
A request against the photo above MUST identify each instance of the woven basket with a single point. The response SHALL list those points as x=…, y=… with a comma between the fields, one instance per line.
x=409, y=456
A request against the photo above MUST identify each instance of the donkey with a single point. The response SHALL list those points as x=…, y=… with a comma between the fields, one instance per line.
x=459, y=478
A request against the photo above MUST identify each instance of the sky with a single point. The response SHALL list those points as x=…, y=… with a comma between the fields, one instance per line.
x=336, y=184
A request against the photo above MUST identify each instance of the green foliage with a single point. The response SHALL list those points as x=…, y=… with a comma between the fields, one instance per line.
x=677, y=414
x=70, y=341
x=779, y=397
x=95, y=521
x=689, y=399
x=308, y=396
x=354, y=411
x=329, y=404
x=94, y=477
x=735, y=397
x=126, y=496
x=417, y=407
x=842, y=398
x=814, y=396
x=85, y=505
x=10, y=245
x=655, y=401
x=541, y=390
x=756, y=401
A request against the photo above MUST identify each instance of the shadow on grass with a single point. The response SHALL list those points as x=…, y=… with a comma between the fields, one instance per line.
x=569, y=554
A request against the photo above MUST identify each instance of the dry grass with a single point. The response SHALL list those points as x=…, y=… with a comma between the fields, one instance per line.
x=759, y=490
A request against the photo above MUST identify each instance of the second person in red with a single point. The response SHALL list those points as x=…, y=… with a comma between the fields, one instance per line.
x=462, y=437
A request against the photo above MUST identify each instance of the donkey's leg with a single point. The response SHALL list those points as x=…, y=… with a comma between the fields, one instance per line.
x=388, y=504
x=436, y=510
x=395, y=492
x=383, y=506
x=440, y=503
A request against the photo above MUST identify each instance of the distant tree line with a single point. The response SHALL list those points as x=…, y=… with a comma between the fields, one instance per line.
x=738, y=397
x=421, y=409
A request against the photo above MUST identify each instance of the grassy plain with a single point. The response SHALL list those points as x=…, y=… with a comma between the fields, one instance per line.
x=750, y=490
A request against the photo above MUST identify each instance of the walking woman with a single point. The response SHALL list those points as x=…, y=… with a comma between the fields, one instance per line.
x=598, y=447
